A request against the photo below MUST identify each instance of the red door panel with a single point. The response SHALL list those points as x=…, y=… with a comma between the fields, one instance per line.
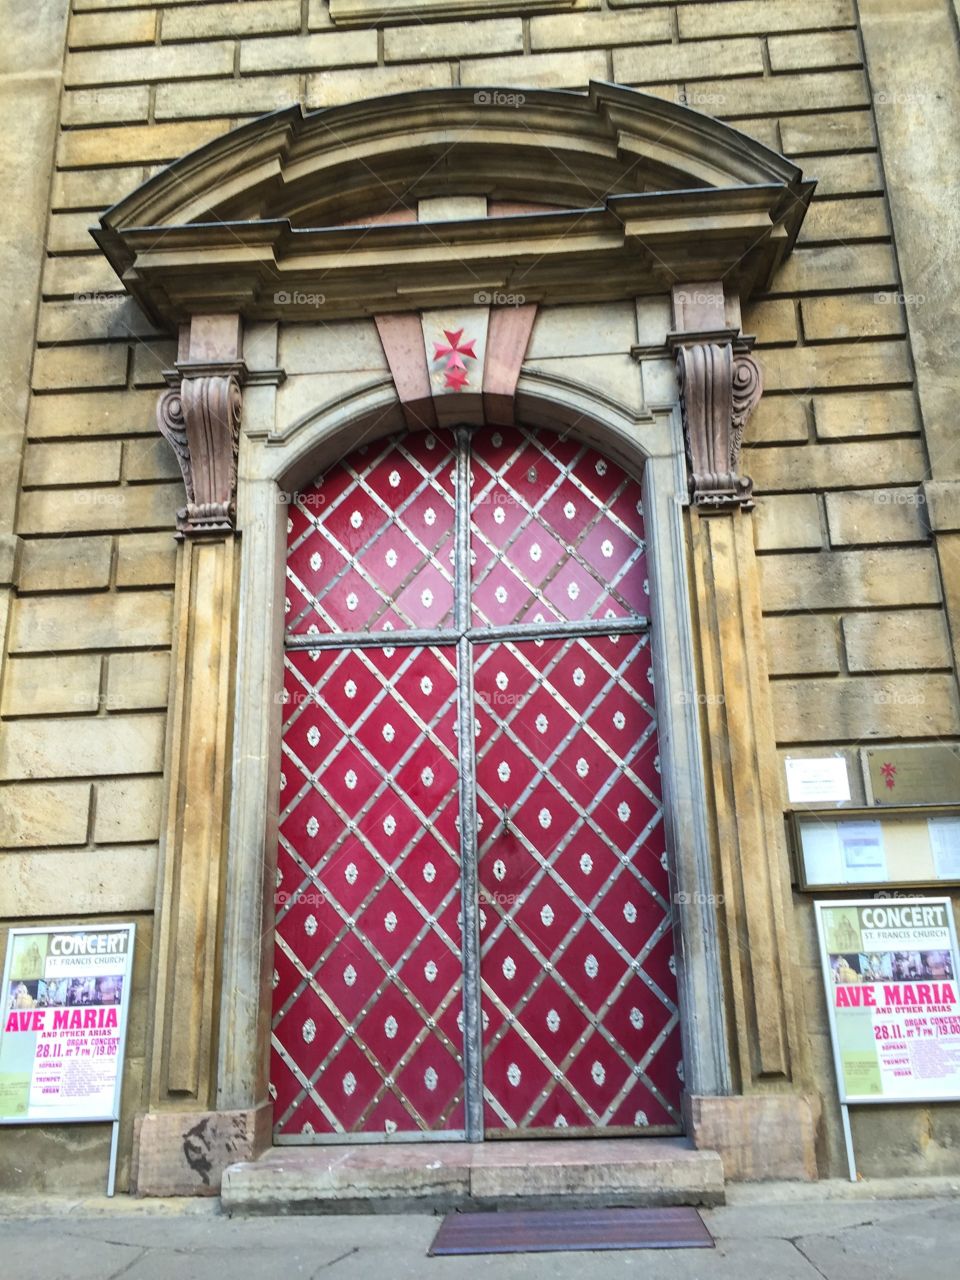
x=577, y=971
x=369, y=543
x=367, y=981
x=556, y=531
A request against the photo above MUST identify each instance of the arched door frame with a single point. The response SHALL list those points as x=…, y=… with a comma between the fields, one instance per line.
x=649, y=446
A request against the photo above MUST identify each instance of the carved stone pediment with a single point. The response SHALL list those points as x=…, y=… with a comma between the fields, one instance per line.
x=644, y=193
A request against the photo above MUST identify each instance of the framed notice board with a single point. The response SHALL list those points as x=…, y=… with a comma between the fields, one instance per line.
x=873, y=848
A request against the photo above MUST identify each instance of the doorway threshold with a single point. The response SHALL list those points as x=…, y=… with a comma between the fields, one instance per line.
x=440, y=1176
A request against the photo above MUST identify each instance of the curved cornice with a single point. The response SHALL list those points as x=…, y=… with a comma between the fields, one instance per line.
x=257, y=205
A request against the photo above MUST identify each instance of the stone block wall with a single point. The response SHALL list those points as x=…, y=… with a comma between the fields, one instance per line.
x=858, y=643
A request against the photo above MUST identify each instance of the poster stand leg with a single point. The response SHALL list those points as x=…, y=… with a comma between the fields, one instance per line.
x=848, y=1141
x=112, y=1170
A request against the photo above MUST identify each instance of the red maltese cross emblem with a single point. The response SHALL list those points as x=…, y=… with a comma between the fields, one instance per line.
x=453, y=352
x=889, y=772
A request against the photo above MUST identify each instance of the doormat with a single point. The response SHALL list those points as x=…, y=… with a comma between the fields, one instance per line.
x=569, y=1230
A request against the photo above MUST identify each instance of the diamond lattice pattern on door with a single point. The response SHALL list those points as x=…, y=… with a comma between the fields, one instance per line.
x=574, y=1015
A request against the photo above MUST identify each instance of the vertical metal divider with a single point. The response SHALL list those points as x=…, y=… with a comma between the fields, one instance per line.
x=469, y=880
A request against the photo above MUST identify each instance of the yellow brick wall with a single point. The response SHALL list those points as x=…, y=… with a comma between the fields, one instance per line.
x=835, y=449
x=858, y=643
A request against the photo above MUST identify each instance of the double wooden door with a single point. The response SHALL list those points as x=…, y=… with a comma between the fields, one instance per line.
x=474, y=932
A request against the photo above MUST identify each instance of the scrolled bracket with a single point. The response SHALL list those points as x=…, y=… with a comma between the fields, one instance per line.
x=200, y=419
x=719, y=389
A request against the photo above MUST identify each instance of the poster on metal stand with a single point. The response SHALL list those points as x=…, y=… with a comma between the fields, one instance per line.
x=65, y=1002
x=890, y=975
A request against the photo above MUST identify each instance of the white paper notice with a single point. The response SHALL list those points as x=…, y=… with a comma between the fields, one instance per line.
x=822, y=856
x=863, y=854
x=822, y=779
x=945, y=842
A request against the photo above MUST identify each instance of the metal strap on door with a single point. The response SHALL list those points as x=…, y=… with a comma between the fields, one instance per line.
x=474, y=932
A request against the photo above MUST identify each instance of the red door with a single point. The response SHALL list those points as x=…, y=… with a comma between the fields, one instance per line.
x=474, y=934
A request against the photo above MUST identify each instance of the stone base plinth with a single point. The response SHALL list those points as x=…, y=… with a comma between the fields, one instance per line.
x=759, y=1137
x=184, y=1153
x=424, y=1176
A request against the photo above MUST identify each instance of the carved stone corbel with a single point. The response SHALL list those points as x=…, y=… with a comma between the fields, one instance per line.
x=200, y=419
x=720, y=385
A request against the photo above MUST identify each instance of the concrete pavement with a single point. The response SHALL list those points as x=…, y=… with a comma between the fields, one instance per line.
x=778, y=1233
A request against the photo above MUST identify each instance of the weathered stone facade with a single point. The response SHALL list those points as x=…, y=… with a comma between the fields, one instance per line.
x=823, y=619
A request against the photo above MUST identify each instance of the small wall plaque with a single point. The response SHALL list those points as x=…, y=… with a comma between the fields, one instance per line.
x=913, y=775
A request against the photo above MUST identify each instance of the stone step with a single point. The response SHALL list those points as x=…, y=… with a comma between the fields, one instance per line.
x=394, y=1177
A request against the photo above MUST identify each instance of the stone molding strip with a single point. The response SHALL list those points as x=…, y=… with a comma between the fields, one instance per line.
x=323, y=168
x=366, y=12
x=631, y=245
